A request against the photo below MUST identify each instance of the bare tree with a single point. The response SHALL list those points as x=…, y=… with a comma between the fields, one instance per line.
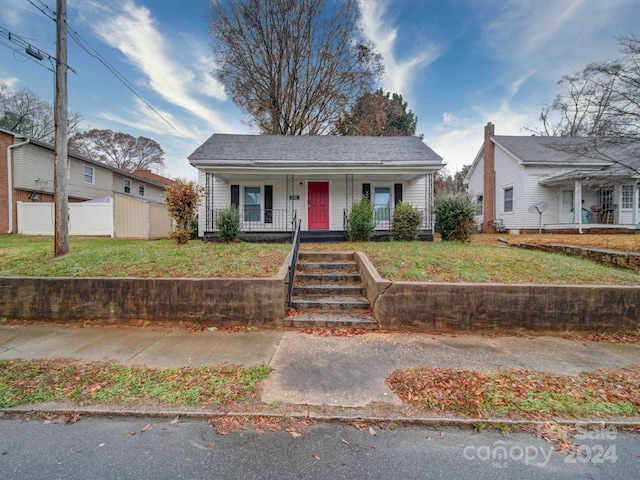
x=118, y=149
x=601, y=103
x=602, y=100
x=292, y=65
x=24, y=112
x=378, y=114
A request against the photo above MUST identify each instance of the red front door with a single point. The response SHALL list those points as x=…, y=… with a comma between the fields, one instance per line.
x=318, y=205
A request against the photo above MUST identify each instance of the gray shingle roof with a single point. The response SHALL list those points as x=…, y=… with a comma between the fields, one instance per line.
x=316, y=150
x=560, y=150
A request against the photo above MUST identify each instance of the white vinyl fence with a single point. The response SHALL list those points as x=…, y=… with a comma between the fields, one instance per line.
x=119, y=217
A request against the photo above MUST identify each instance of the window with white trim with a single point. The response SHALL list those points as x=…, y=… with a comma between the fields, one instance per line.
x=507, y=195
x=606, y=198
x=141, y=189
x=382, y=203
x=252, y=201
x=88, y=174
x=127, y=185
x=627, y=197
x=479, y=204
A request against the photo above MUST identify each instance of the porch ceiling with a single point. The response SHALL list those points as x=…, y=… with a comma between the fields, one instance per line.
x=368, y=176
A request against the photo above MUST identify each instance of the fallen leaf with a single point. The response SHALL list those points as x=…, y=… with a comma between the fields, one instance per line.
x=441, y=434
x=208, y=445
x=132, y=432
x=147, y=428
x=316, y=457
x=372, y=431
x=345, y=442
x=175, y=420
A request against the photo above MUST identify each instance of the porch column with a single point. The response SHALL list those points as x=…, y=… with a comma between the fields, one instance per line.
x=428, y=201
x=636, y=200
x=577, y=203
x=349, y=192
x=209, y=214
x=289, y=201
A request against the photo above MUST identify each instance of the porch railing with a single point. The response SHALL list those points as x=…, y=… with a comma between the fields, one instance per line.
x=257, y=219
x=384, y=218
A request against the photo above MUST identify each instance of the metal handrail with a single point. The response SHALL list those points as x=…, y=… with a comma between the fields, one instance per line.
x=293, y=261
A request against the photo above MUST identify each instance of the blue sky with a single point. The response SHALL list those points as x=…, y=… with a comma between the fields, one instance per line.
x=459, y=64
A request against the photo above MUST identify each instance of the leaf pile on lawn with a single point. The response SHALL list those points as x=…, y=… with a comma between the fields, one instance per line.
x=36, y=381
x=508, y=393
x=236, y=423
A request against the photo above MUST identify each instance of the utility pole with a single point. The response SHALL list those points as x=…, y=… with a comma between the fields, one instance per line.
x=61, y=198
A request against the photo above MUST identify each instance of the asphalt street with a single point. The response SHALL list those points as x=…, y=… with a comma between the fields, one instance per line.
x=148, y=448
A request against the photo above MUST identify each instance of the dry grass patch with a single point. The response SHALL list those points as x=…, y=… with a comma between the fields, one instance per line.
x=520, y=393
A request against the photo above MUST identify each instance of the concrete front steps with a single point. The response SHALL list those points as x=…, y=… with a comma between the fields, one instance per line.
x=328, y=292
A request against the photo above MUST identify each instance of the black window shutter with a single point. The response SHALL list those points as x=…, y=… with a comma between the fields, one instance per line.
x=235, y=196
x=268, y=204
x=397, y=193
x=366, y=190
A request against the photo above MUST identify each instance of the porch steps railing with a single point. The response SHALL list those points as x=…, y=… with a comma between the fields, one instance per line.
x=328, y=292
x=293, y=260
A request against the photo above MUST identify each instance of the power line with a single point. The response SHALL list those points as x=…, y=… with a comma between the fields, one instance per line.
x=84, y=45
x=29, y=50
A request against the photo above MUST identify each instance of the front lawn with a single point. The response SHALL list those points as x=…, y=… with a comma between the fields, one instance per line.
x=413, y=261
x=456, y=262
x=106, y=257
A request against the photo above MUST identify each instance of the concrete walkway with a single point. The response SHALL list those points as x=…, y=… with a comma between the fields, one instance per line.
x=313, y=370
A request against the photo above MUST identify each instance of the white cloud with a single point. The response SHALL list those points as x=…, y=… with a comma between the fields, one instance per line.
x=549, y=38
x=13, y=15
x=132, y=30
x=399, y=73
x=10, y=82
x=145, y=119
x=458, y=138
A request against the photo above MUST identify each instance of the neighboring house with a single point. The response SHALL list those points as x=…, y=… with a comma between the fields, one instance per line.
x=275, y=179
x=511, y=174
x=27, y=172
x=154, y=176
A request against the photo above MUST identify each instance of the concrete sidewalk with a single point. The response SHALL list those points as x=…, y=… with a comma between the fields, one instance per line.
x=313, y=370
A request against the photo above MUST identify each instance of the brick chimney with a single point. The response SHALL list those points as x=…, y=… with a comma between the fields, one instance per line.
x=489, y=194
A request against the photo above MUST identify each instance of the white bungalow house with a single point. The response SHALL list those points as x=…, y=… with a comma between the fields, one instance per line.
x=274, y=180
x=512, y=174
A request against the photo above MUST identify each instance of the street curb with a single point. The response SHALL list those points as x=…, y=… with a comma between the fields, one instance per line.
x=399, y=420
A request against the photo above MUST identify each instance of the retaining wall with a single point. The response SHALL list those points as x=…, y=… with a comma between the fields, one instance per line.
x=502, y=308
x=214, y=301
x=611, y=258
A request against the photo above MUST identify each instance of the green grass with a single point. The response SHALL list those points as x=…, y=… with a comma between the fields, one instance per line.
x=106, y=257
x=457, y=262
x=411, y=261
x=23, y=382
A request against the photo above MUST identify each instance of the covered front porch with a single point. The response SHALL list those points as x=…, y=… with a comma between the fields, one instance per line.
x=606, y=203
x=270, y=203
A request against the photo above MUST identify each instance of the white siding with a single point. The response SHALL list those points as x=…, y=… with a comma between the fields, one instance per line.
x=202, y=208
x=475, y=186
x=476, y=182
x=414, y=193
x=33, y=169
x=509, y=173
